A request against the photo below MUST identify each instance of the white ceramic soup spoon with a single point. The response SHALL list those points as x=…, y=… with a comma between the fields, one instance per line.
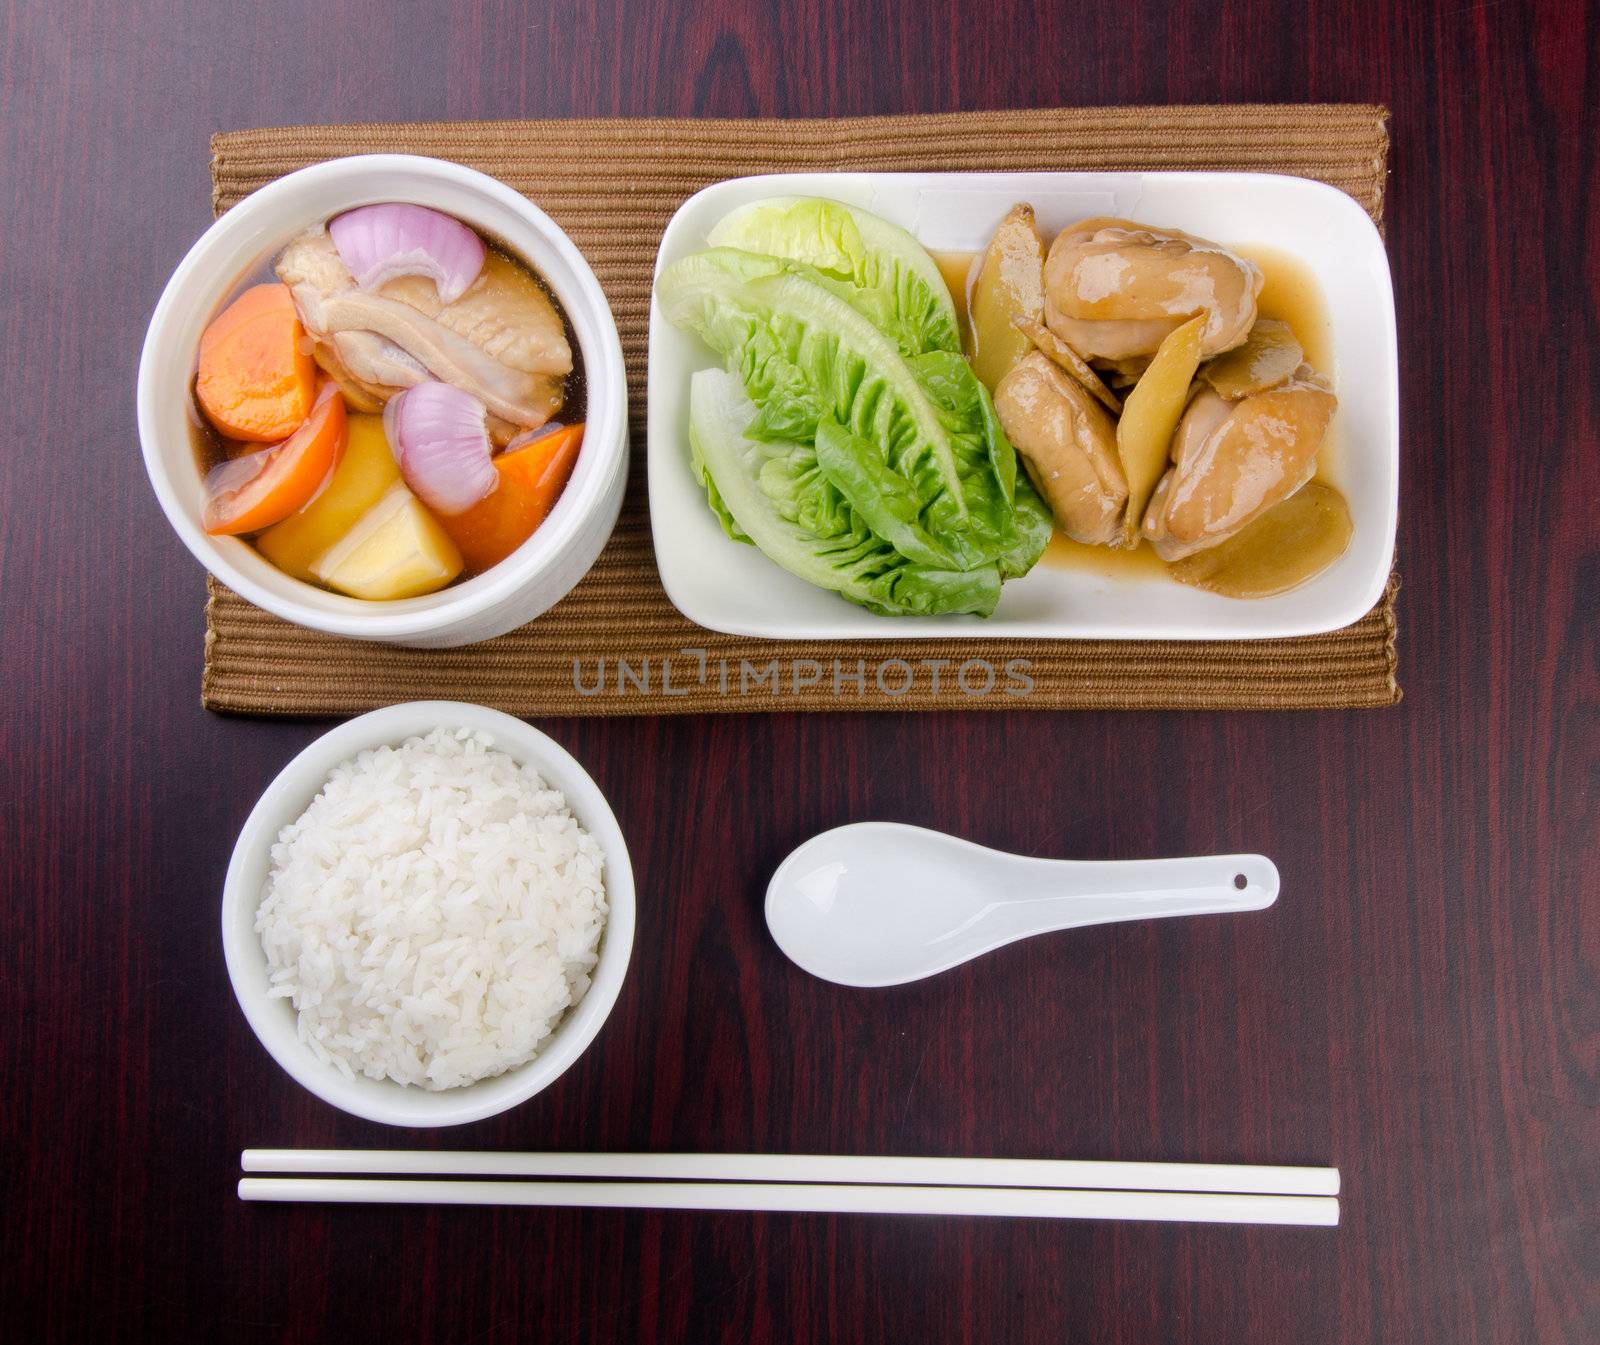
x=880, y=903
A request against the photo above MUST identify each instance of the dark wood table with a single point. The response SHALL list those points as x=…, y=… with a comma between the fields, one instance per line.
x=1422, y=1008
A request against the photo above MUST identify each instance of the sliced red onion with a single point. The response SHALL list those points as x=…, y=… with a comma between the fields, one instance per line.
x=380, y=242
x=438, y=436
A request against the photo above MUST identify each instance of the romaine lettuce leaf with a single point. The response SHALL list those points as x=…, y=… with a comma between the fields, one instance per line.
x=912, y=443
x=954, y=385
x=697, y=464
x=887, y=275
x=786, y=505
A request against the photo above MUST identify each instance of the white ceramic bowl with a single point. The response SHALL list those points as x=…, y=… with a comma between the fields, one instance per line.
x=727, y=586
x=274, y=1020
x=547, y=566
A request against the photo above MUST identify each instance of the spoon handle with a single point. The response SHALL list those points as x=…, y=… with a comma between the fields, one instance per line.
x=1066, y=894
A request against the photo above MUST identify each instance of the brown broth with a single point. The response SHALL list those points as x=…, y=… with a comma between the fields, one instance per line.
x=1104, y=562
x=575, y=387
x=1290, y=293
x=210, y=448
x=956, y=267
x=1293, y=294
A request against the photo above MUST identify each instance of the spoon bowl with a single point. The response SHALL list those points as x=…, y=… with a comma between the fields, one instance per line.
x=882, y=903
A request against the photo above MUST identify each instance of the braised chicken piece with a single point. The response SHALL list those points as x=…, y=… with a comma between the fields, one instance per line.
x=376, y=361
x=1059, y=352
x=1069, y=446
x=358, y=396
x=368, y=368
x=1115, y=289
x=1124, y=373
x=1267, y=357
x=502, y=340
x=504, y=312
x=1232, y=461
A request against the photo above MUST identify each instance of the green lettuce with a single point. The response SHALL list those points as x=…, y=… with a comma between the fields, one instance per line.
x=786, y=505
x=877, y=267
x=847, y=438
x=697, y=464
x=911, y=442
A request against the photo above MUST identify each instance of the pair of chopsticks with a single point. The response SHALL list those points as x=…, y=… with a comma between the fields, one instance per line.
x=1037, y=1188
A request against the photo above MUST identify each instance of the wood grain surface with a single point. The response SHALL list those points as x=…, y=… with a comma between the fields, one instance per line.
x=1421, y=1008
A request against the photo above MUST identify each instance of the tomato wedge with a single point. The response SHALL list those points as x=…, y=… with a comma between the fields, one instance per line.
x=531, y=480
x=262, y=488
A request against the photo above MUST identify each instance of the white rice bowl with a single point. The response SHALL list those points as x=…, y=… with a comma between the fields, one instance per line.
x=433, y=914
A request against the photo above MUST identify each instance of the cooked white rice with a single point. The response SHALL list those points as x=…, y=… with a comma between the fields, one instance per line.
x=433, y=913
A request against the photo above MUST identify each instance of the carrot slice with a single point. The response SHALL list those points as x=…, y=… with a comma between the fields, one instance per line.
x=531, y=481
x=256, y=381
x=262, y=488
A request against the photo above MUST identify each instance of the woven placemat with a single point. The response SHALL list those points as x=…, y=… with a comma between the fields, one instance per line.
x=616, y=645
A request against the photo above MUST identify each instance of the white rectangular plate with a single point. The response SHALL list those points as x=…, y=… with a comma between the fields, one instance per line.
x=731, y=587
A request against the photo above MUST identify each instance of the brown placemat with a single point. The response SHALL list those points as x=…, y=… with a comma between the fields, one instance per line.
x=616, y=645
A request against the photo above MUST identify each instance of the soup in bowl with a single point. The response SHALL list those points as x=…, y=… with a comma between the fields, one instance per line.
x=384, y=397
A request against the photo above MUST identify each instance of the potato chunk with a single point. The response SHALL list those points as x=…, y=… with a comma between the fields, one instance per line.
x=361, y=479
x=1268, y=357
x=396, y=550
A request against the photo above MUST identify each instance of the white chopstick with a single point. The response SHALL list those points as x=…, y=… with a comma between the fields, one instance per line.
x=1173, y=1206
x=1054, y=1173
